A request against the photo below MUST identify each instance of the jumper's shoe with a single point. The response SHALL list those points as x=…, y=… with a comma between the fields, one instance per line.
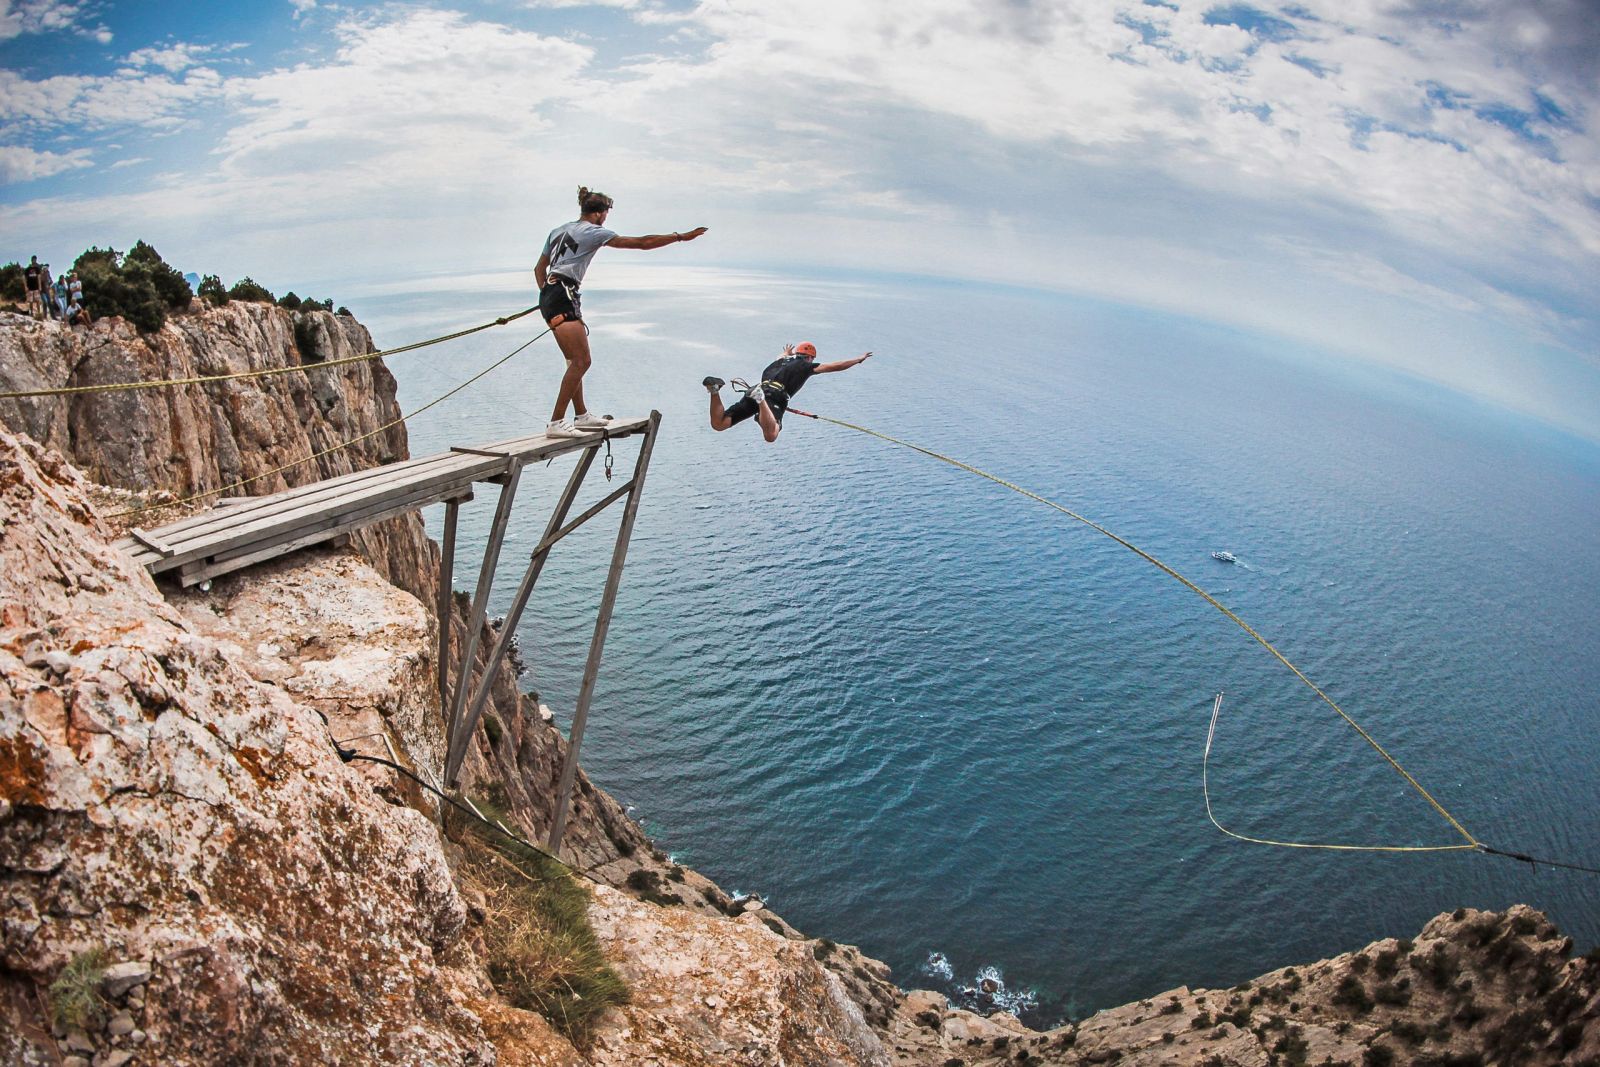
x=756, y=394
x=713, y=384
x=562, y=428
x=590, y=421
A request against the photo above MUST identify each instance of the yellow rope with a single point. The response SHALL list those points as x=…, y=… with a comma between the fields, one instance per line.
x=1205, y=785
x=270, y=372
x=1472, y=842
x=335, y=448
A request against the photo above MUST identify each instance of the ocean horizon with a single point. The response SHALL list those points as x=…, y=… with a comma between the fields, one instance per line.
x=923, y=714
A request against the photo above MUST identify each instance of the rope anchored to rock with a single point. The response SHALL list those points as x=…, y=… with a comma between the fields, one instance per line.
x=268, y=372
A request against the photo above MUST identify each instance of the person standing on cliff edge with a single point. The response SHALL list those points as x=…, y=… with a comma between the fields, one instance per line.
x=559, y=272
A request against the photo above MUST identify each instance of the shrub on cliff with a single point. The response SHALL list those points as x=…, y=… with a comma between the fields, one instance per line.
x=289, y=301
x=170, y=285
x=11, y=283
x=211, y=291
x=139, y=286
x=248, y=289
x=539, y=949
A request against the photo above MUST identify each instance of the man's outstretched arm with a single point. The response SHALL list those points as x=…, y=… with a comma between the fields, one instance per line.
x=843, y=364
x=655, y=240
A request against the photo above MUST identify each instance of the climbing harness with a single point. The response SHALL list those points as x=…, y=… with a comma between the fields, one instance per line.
x=1471, y=843
x=268, y=372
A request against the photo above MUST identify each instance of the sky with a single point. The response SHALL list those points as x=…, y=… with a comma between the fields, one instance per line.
x=1414, y=184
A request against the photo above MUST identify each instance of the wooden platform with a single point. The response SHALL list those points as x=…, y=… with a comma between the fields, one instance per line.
x=241, y=532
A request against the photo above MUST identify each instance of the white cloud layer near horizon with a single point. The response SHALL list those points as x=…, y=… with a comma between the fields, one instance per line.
x=1417, y=184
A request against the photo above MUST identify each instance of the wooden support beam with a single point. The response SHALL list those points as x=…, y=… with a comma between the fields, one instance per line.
x=480, y=601
x=445, y=610
x=608, y=600
x=459, y=741
x=150, y=542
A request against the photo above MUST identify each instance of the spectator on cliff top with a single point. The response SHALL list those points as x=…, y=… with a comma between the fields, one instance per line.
x=58, y=293
x=779, y=382
x=30, y=281
x=559, y=272
x=47, y=298
x=77, y=310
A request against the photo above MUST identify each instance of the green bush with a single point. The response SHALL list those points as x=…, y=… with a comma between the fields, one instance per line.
x=170, y=286
x=12, y=287
x=248, y=289
x=112, y=285
x=212, y=292
x=289, y=302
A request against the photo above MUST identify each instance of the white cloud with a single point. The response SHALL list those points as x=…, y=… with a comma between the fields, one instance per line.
x=128, y=98
x=18, y=164
x=119, y=164
x=173, y=58
x=18, y=17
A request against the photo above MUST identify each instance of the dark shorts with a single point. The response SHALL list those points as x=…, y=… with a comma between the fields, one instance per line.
x=746, y=407
x=560, y=298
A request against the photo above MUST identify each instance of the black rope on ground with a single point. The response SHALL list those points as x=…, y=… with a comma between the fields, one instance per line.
x=348, y=754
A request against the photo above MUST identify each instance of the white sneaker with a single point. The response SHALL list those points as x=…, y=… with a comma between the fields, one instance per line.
x=756, y=394
x=590, y=421
x=562, y=428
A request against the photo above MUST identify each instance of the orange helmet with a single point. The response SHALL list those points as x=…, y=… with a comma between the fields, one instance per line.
x=806, y=348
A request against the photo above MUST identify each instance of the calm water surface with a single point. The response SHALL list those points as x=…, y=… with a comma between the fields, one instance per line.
x=923, y=714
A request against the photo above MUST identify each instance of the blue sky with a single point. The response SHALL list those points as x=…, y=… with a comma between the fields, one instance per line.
x=1415, y=184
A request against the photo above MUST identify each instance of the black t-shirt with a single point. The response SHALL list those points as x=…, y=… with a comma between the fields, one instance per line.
x=31, y=274
x=791, y=372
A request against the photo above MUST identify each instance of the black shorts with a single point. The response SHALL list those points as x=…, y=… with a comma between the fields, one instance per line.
x=746, y=407
x=559, y=298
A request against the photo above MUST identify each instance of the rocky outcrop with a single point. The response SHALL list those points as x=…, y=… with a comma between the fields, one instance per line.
x=162, y=808
x=1472, y=988
x=172, y=805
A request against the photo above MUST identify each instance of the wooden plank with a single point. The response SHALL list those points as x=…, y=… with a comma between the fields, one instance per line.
x=150, y=542
x=214, y=521
x=294, y=515
x=303, y=515
x=537, y=446
x=261, y=551
x=267, y=501
x=354, y=515
x=479, y=451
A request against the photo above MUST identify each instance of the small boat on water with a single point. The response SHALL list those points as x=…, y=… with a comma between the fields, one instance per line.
x=1225, y=557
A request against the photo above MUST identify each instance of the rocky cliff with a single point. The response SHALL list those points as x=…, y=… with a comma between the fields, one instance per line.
x=185, y=857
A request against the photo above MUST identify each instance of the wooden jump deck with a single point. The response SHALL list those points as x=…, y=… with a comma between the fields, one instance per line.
x=252, y=530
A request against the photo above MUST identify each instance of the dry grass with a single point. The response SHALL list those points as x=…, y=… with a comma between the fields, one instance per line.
x=75, y=999
x=541, y=952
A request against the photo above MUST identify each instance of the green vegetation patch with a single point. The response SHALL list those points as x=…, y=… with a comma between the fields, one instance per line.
x=75, y=999
x=540, y=951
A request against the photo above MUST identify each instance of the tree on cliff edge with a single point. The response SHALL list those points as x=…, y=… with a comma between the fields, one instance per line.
x=139, y=286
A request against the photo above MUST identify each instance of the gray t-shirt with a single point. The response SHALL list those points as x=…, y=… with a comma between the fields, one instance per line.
x=571, y=247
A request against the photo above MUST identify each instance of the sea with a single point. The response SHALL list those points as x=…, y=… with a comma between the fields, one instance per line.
x=918, y=712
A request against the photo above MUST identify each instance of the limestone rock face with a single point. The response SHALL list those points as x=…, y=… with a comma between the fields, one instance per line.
x=1473, y=988
x=720, y=991
x=161, y=806
x=194, y=438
